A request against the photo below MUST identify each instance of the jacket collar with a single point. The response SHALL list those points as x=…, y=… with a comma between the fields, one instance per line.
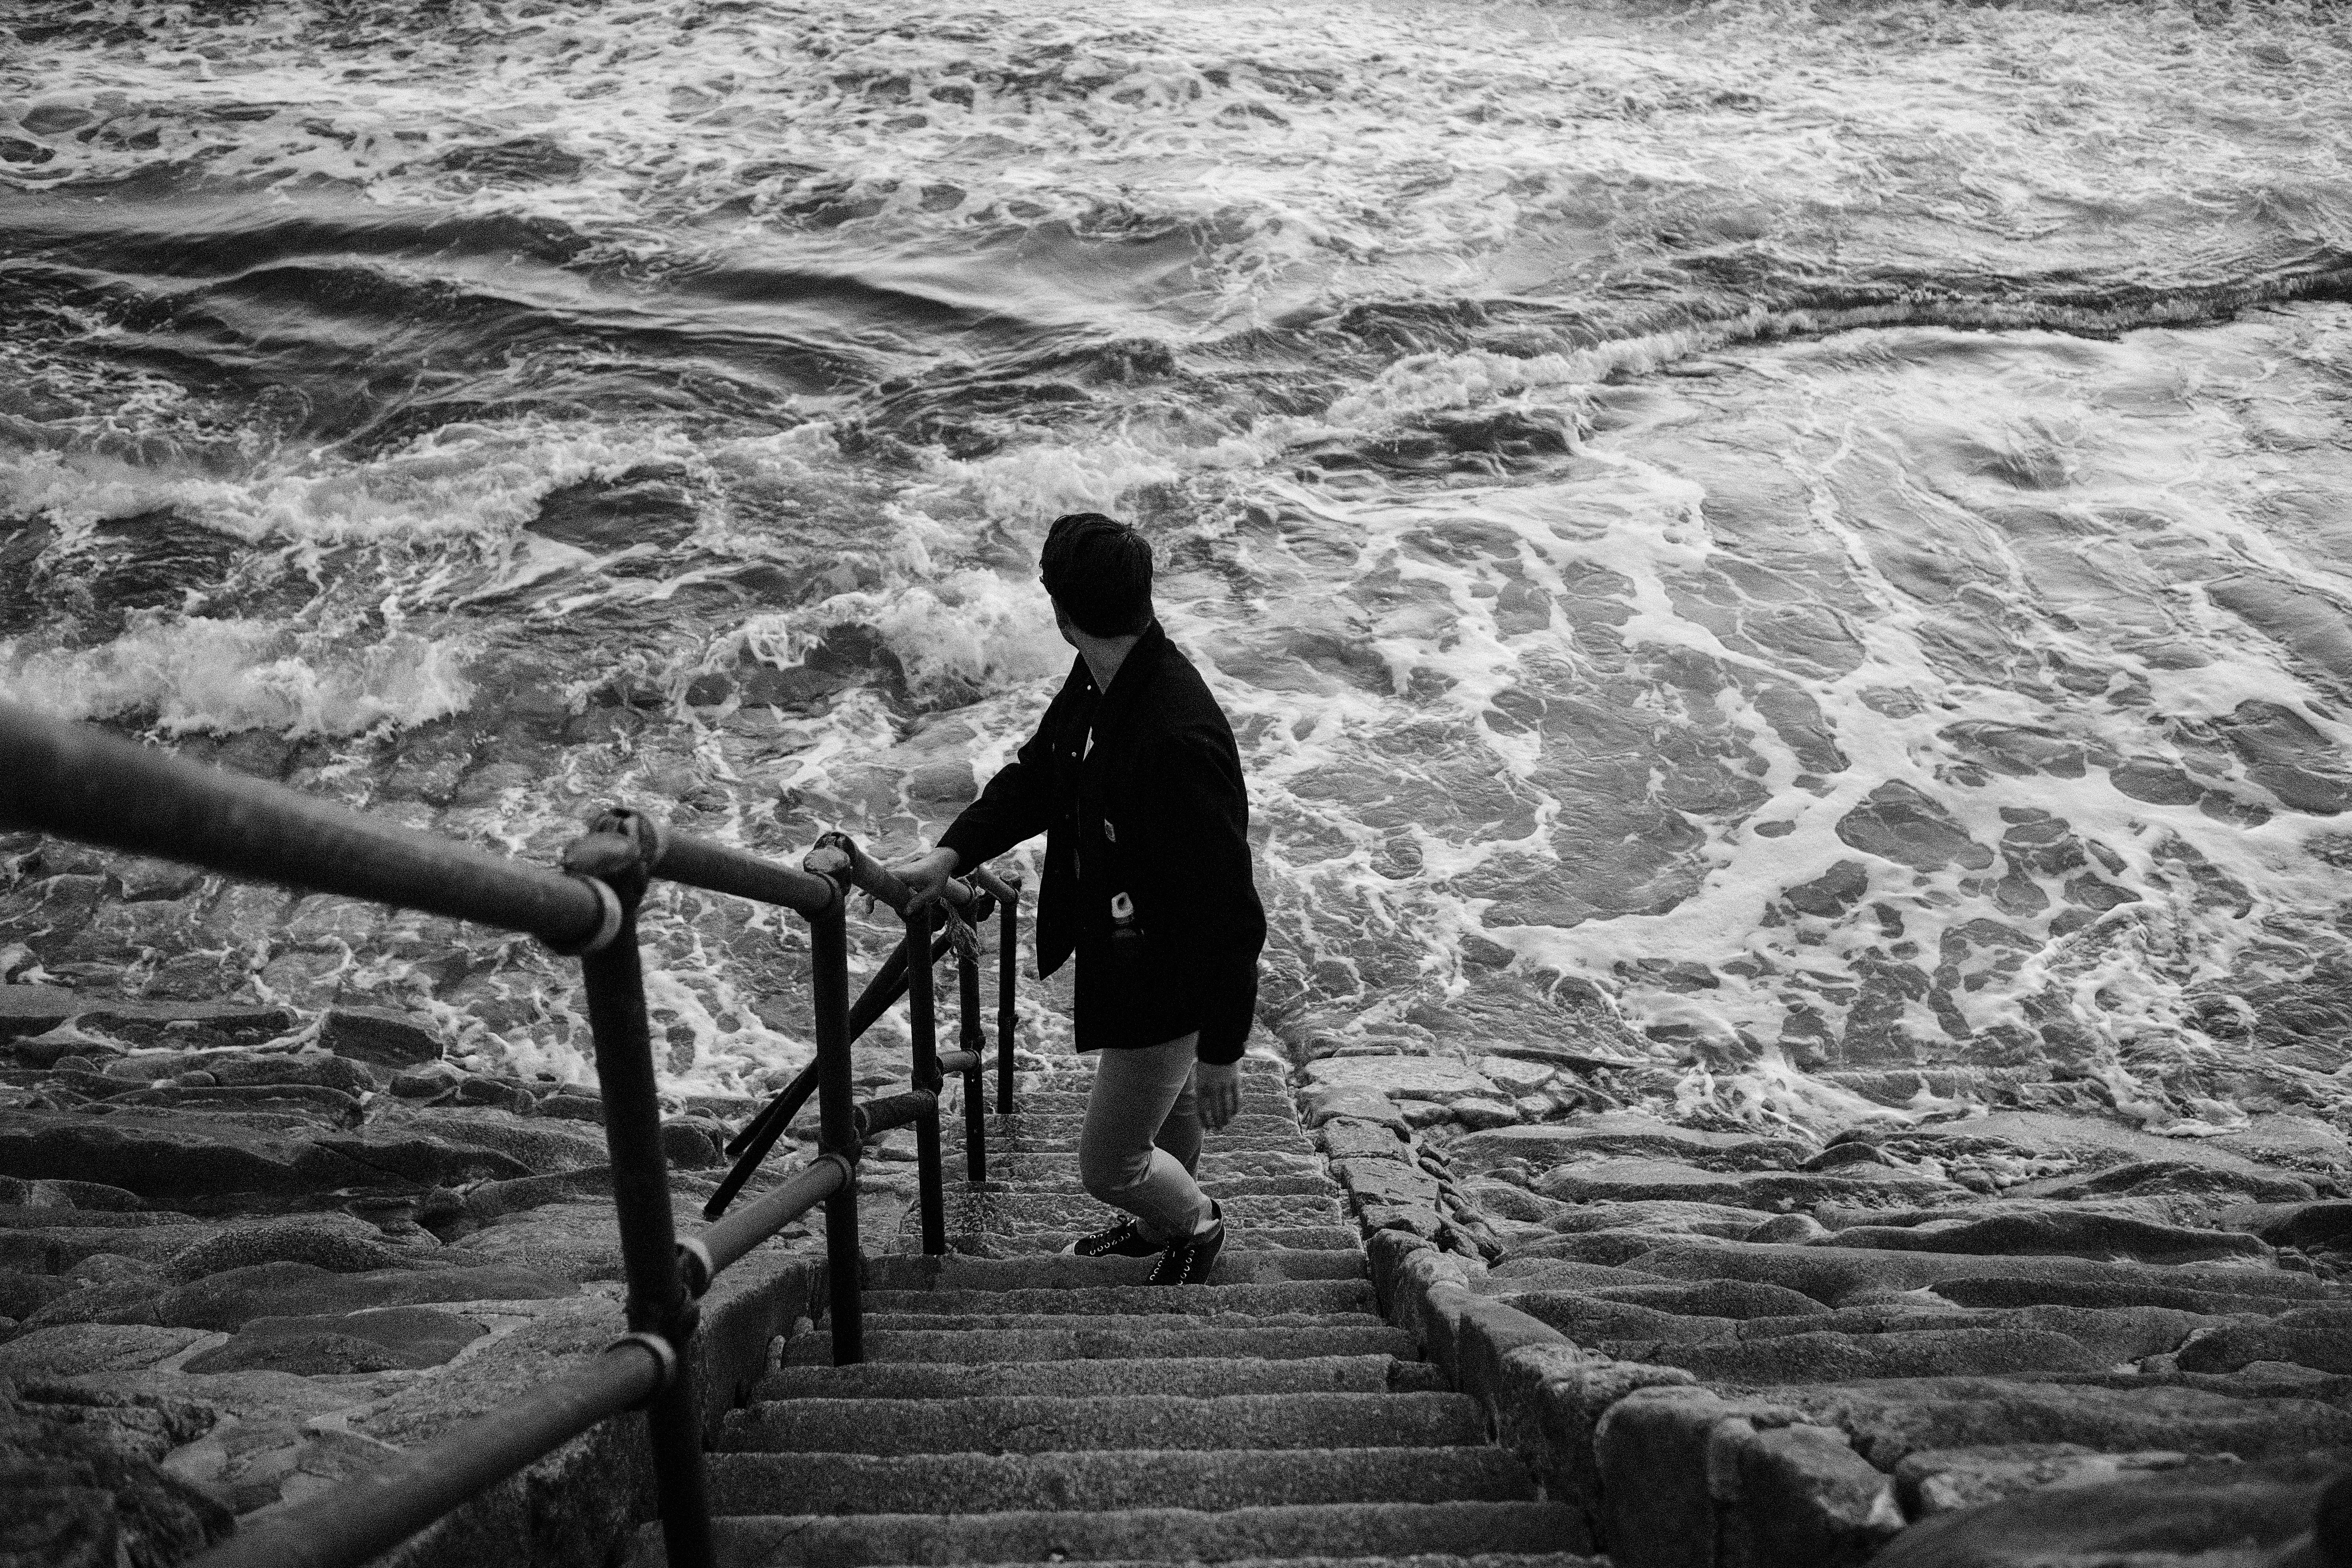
x=1135, y=673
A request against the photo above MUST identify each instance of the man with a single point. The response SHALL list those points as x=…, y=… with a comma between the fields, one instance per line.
x=1135, y=781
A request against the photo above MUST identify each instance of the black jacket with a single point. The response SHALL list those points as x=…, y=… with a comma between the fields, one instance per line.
x=1157, y=810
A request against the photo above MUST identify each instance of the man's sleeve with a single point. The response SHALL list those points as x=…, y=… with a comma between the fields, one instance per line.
x=1016, y=805
x=1198, y=897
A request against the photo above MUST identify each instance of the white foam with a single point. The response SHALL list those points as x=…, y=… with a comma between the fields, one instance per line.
x=1541, y=707
x=228, y=676
x=1320, y=149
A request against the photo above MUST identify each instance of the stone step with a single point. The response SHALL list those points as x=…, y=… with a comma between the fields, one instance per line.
x=1191, y=1377
x=1107, y=1482
x=1270, y=1103
x=1410, y=1559
x=1220, y=1187
x=1018, y=1166
x=1072, y=1112
x=1153, y=1322
x=1080, y=1070
x=1250, y=1238
x=1064, y=1140
x=1024, y=1125
x=1031, y=1424
x=969, y=1210
x=913, y=1271
x=1257, y=1101
x=1209, y=1300
x=1060, y=1339
x=1137, y=1535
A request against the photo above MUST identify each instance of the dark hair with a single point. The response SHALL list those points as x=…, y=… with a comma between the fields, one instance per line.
x=1099, y=572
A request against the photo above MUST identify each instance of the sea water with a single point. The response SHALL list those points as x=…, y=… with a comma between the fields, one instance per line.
x=1762, y=539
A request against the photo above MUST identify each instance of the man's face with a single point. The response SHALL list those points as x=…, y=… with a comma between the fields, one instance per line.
x=1062, y=624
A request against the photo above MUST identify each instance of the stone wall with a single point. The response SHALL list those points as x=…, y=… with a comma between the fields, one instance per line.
x=2002, y=1340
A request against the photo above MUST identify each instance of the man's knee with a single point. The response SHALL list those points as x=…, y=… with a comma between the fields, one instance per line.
x=1106, y=1172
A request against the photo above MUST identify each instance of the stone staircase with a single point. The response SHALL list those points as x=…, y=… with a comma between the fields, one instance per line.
x=1029, y=1408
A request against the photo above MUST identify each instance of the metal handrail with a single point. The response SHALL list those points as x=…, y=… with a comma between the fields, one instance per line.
x=732, y=1239
x=752, y=1142
x=838, y=858
x=836, y=854
x=386, y=1506
x=382, y=1505
x=79, y=783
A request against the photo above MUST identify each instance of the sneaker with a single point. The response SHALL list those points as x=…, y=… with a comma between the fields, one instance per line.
x=1121, y=1240
x=1188, y=1261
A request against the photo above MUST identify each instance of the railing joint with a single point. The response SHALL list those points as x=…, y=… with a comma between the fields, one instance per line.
x=665, y=1356
x=608, y=922
x=652, y=836
x=695, y=1270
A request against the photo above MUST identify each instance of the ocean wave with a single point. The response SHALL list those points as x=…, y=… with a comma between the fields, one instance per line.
x=1712, y=525
x=224, y=677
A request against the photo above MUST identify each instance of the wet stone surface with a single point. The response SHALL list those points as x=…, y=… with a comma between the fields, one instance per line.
x=2010, y=1337
x=246, y=1235
x=245, y=1246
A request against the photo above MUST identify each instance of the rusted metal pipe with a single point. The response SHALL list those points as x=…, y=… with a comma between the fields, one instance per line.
x=837, y=854
x=930, y=1197
x=787, y=1104
x=975, y=1048
x=837, y=1128
x=892, y=1111
x=751, y=1146
x=78, y=782
x=1008, y=896
x=720, y=868
x=1004, y=888
x=658, y=1299
x=889, y=984
x=732, y=1239
x=384, y=1503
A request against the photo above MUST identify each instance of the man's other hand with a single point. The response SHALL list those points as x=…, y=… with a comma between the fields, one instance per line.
x=926, y=876
x=1217, y=1091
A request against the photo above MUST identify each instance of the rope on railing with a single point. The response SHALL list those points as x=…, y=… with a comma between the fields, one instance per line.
x=79, y=783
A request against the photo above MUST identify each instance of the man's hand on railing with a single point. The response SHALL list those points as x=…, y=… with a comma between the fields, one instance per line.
x=1217, y=1092
x=926, y=876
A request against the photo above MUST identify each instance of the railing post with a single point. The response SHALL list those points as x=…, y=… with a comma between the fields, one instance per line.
x=974, y=1038
x=922, y=1020
x=837, y=1128
x=657, y=1301
x=1009, y=930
